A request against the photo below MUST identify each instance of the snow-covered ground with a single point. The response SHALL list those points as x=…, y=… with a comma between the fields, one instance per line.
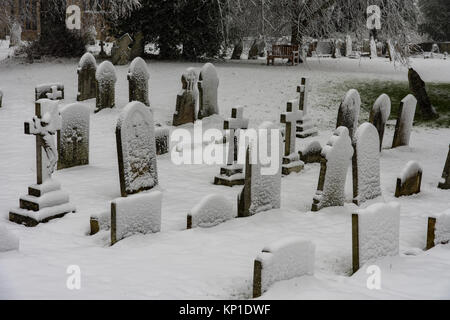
x=218, y=262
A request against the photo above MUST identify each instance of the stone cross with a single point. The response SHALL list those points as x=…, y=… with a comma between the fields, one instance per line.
x=304, y=89
x=290, y=118
x=236, y=122
x=55, y=94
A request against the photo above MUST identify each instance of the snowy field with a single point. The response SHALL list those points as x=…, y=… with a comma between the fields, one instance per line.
x=214, y=263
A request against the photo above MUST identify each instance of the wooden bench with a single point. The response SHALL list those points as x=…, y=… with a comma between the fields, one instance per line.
x=284, y=51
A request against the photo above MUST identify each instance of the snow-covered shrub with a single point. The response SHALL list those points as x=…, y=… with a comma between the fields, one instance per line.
x=8, y=241
x=211, y=211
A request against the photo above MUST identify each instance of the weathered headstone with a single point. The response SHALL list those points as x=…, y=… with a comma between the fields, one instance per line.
x=291, y=160
x=336, y=158
x=379, y=115
x=257, y=49
x=137, y=49
x=208, y=85
x=417, y=87
x=1, y=98
x=87, y=84
x=373, y=48
x=405, y=121
x=348, y=114
x=348, y=46
x=138, y=77
x=438, y=230
x=186, y=99
x=106, y=86
x=324, y=49
x=445, y=181
x=16, y=35
x=136, y=150
x=120, y=52
x=312, y=153
x=391, y=50
x=305, y=126
x=45, y=200
x=52, y=91
x=211, y=211
x=232, y=174
x=73, y=138
x=162, y=140
x=410, y=180
x=237, y=51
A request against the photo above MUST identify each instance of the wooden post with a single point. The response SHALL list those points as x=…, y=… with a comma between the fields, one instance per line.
x=113, y=223
x=189, y=222
x=430, y=233
x=95, y=226
x=355, y=242
x=257, y=279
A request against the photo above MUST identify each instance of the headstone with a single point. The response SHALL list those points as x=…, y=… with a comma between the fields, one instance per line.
x=438, y=230
x=232, y=174
x=262, y=192
x=186, y=99
x=373, y=48
x=257, y=49
x=291, y=160
x=1, y=98
x=380, y=48
x=137, y=49
x=162, y=140
x=8, y=240
x=209, y=212
x=348, y=46
x=336, y=158
x=237, y=51
x=445, y=181
x=366, y=164
x=405, y=121
x=101, y=221
x=305, y=126
x=324, y=49
x=417, y=87
x=87, y=84
x=120, y=52
x=348, y=115
x=207, y=85
x=16, y=35
x=45, y=200
x=391, y=50
x=379, y=115
x=73, y=138
x=312, y=153
x=138, y=77
x=52, y=91
x=136, y=150
x=410, y=180
x=106, y=86
x=91, y=35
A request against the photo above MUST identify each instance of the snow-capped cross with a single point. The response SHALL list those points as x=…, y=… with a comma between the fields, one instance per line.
x=304, y=89
x=55, y=94
x=236, y=122
x=290, y=118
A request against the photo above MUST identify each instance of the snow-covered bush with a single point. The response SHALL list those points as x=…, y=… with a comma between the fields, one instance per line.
x=8, y=241
x=211, y=211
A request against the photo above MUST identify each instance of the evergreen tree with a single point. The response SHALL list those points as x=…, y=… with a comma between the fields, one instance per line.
x=437, y=19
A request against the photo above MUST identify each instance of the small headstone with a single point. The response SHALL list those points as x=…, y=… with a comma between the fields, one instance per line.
x=186, y=99
x=445, y=181
x=101, y=221
x=417, y=87
x=1, y=98
x=137, y=49
x=136, y=149
x=8, y=240
x=73, y=138
x=379, y=115
x=305, y=126
x=138, y=77
x=312, y=153
x=410, y=180
x=16, y=35
x=336, y=157
x=162, y=140
x=106, y=86
x=87, y=84
x=438, y=230
x=209, y=212
x=52, y=91
x=208, y=85
x=237, y=51
x=348, y=115
x=405, y=121
x=291, y=160
x=120, y=52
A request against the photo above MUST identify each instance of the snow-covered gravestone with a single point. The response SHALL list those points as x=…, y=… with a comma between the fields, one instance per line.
x=232, y=174
x=73, y=138
x=121, y=51
x=312, y=153
x=16, y=35
x=187, y=99
x=262, y=189
x=405, y=121
x=8, y=241
x=445, y=182
x=348, y=46
x=336, y=158
x=366, y=164
x=208, y=85
x=291, y=159
x=209, y=212
x=45, y=200
x=375, y=233
x=379, y=115
x=305, y=126
x=162, y=140
x=348, y=115
x=438, y=230
x=87, y=84
x=283, y=260
x=409, y=180
x=136, y=150
x=373, y=48
x=136, y=214
x=106, y=86
x=52, y=91
x=138, y=77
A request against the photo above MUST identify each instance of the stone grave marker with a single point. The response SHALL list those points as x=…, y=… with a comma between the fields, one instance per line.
x=137, y=49
x=445, y=181
x=87, y=84
x=438, y=231
x=138, y=76
x=120, y=52
x=405, y=121
x=291, y=159
x=324, y=49
x=1, y=98
x=379, y=115
x=187, y=99
x=305, y=126
x=211, y=211
x=238, y=49
x=52, y=91
x=208, y=85
x=373, y=49
x=312, y=153
x=418, y=89
x=348, y=114
x=348, y=46
x=106, y=86
x=410, y=180
x=16, y=35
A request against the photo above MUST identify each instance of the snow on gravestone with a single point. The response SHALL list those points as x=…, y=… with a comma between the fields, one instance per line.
x=284, y=260
x=375, y=233
x=379, y=115
x=409, y=180
x=52, y=91
x=73, y=138
x=185, y=111
x=262, y=191
x=438, y=230
x=211, y=211
x=348, y=114
x=8, y=241
x=366, y=164
x=138, y=77
x=139, y=213
x=136, y=150
x=208, y=85
x=445, y=181
x=312, y=153
x=336, y=157
x=87, y=84
x=405, y=121
x=106, y=82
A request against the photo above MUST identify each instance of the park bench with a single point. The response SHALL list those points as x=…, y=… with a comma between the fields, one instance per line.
x=284, y=51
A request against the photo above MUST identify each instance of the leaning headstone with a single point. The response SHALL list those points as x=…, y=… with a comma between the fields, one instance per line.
x=137, y=214
x=445, y=181
x=138, y=77
x=438, y=230
x=136, y=150
x=348, y=114
x=366, y=164
x=405, y=121
x=106, y=86
x=137, y=49
x=305, y=126
x=410, y=180
x=375, y=233
x=348, y=46
x=209, y=212
x=336, y=157
x=379, y=115
x=186, y=99
x=312, y=153
x=237, y=51
x=262, y=190
x=207, y=85
x=285, y=259
x=417, y=87
x=87, y=84
x=16, y=35
x=120, y=52
x=162, y=140
x=73, y=138
x=8, y=240
x=45, y=200
x=52, y=91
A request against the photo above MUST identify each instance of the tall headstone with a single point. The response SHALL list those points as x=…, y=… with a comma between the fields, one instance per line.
x=73, y=138
x=405, y=121
x=87, y=84
x=379, y=115
x=138, y=77
x=186, y=99
x=238, y=49
x=52, y=91
x=445, y=182
x=373, y=48
x=106, y=86
x=136, y=150
x=348, y=114
x=16, y=35
x=305, y=126
x=120, y=52
x=137, y=49
x=348, y=46
x=291, y=159
x=417, y=87
x=208, y=85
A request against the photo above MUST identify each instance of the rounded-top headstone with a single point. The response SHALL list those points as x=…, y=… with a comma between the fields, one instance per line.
x=106, y=72
x=208, y=85
x=349, y=110
x=87, y=61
